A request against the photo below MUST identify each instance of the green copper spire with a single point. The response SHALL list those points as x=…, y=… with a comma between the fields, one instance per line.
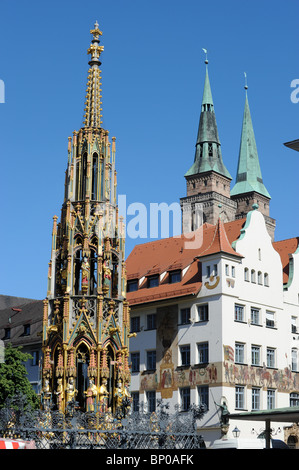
x=249, y=176
x=208, y=149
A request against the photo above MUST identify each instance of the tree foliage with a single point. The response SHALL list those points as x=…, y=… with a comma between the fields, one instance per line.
x=13, y=376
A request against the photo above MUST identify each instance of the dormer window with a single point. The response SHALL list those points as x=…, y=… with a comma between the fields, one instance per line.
x=132, y=285
x=174, y=276
x=26, y=330
x=153, y=281
x=7, y=333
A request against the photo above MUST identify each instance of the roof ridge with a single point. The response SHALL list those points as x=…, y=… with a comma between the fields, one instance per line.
x=223, y=242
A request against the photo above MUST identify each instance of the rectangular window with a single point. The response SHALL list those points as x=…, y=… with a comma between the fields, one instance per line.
x=135, y=360
x=185, y=398
x=35, y=358
x=270, y=399
x=203, y=395
x=132, y=285
x=270, y=357
x=255, y=355
x=215, y=270
x=185, y=316
x=256, y=398
x=151, y=360
x=239, y=313
x=227, y=270
x=203, y=312
x=153, y=281
x=135, y=324
x=185, y=355
x=240, y=353
x=294, y=360
x=174, y=276
x=270, y=323
x=208, y=270
x=233, y=271
x=151, y=401
x=240, y=397
x=151, y=321
x=255, y=316
x=294, y=325
x=135, y=401
x=203, y=353
x=294, y=399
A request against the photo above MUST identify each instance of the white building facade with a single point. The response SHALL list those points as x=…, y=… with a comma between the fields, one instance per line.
x=216, y=317
x=230, y=338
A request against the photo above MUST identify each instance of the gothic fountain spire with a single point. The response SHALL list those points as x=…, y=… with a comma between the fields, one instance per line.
x=93, y=102
x=86, y=315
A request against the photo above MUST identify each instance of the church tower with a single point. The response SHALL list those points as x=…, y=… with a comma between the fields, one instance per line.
x=249, y=189
x=208, y=180
x=86, y=315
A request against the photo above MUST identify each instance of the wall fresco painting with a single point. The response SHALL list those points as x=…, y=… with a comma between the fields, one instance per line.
x=284, y=380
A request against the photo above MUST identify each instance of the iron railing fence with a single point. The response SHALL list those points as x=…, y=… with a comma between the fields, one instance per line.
x=51, y=429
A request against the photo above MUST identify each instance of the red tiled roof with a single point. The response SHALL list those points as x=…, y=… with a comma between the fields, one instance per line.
x=285, y=248
x=220, y=242
x=181, y=252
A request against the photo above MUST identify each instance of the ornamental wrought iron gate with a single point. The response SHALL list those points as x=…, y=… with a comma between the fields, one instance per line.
x=51, y=429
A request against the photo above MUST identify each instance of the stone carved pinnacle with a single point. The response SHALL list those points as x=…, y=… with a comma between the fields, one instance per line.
x=92, y=112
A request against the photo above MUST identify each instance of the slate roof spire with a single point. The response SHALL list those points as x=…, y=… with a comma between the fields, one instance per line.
x=208, y=148
x=249, y=176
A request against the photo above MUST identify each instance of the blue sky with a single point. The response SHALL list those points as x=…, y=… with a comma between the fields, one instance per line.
x=153, y=74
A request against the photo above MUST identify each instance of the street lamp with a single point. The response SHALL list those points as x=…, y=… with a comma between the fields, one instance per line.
x=236, y=432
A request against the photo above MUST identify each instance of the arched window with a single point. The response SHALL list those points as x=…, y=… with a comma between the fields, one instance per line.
x=82, y=363
x=266, y=279
x=78, y=241
x=200, y=150
x=246, y=274
x=93, y=272
x=111, y=379
x=260, y=278
x=94, y=185
x=78, y=181
x=253, y=279
x=114, y=275
x=83, y=176
x=77, y=271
